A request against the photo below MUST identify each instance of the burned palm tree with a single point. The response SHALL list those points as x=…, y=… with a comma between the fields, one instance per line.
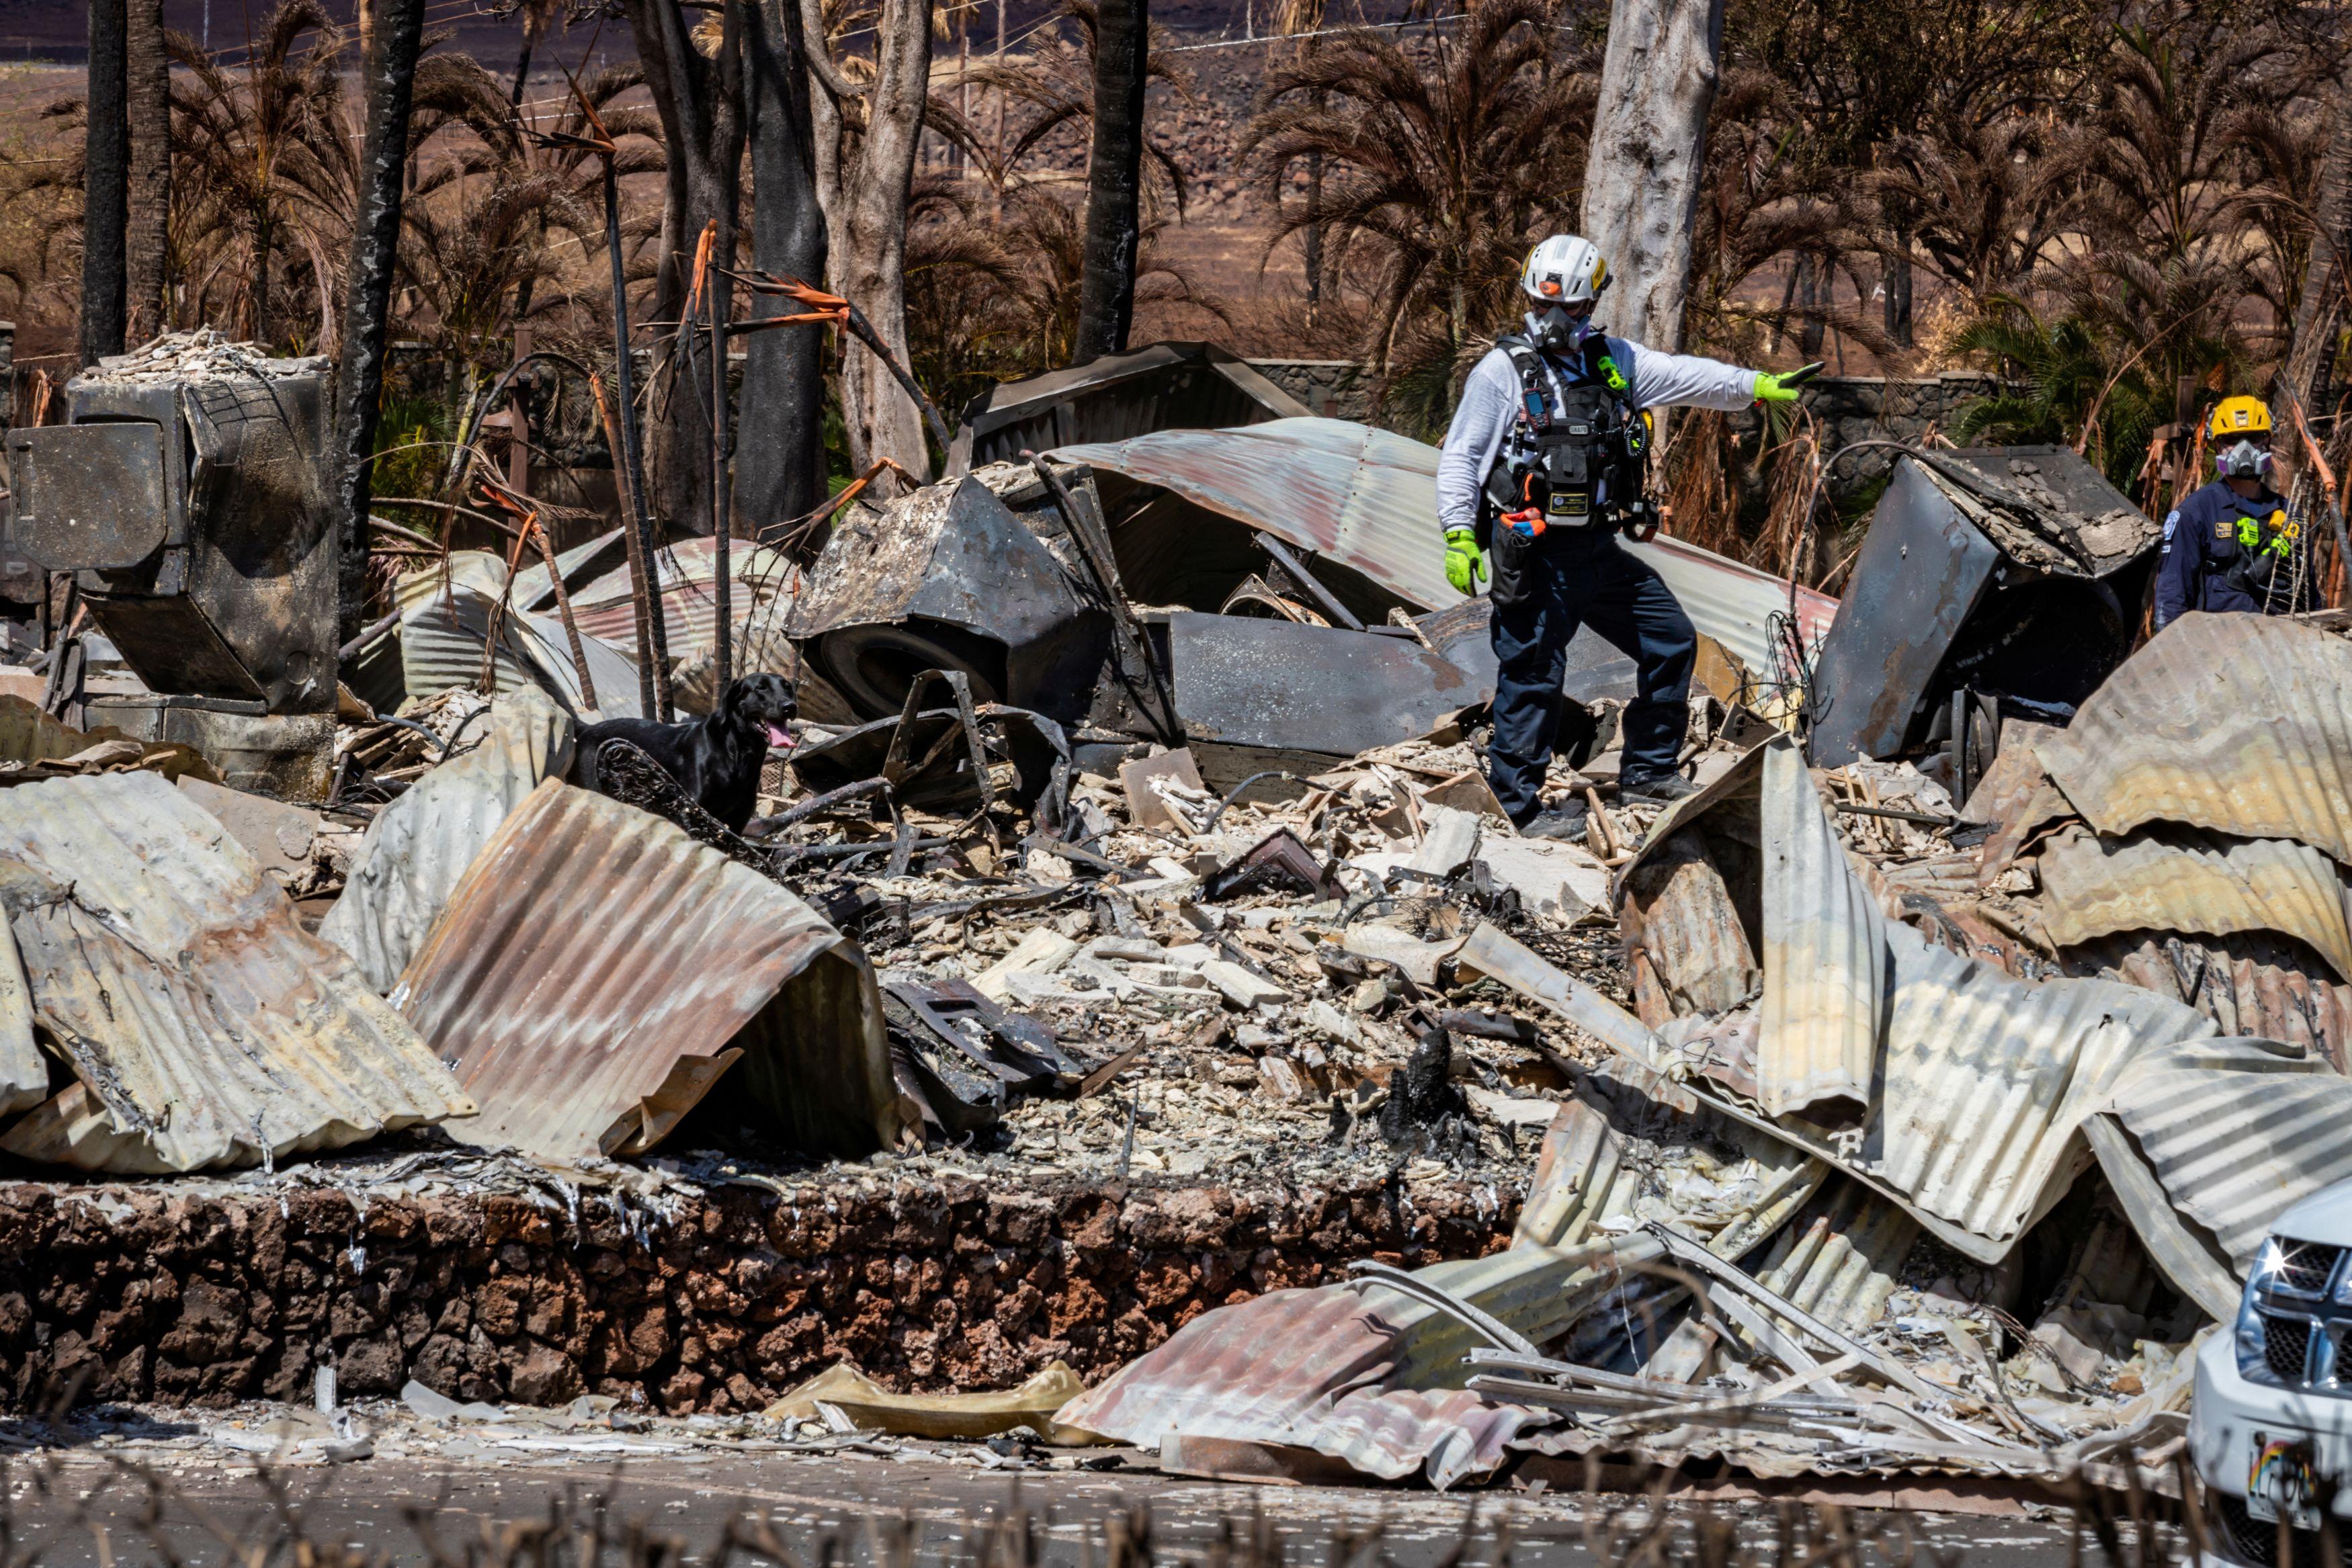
x=1443, y=158
x=263, y=181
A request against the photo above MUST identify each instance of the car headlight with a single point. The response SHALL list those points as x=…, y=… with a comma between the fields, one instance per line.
x=2251, y=1336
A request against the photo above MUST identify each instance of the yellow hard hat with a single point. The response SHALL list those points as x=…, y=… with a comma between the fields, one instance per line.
x=2236, y=416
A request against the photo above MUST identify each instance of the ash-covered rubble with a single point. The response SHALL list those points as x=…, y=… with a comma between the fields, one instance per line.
x=1859, y=1119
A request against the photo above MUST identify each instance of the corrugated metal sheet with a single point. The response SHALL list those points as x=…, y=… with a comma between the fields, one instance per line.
x=2236, y=1130
x=1987, y=1081
x=2241, y=724
x=1840, y=1258
x=596, y=970
x=420, y=845
x=2247, y=983
x=1356, y=1372
x=1824, y=948
x=1575, y=1171
x=445, y=623
x=1368, y=499
x=688, y=572
x=209, y=1028
x=2177, y=879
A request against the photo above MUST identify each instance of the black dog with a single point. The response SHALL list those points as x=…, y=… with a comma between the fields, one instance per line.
x=715, y=761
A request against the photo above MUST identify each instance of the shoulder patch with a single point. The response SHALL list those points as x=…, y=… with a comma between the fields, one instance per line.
x=2172, y=521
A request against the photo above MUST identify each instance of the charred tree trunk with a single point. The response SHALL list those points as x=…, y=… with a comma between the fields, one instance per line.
x=148, y=310
x=1649, y=149
x=779, y=464
x=106, y=182
x=702, y=127
x=865, y=183
x=1114, y=181
x=398, y=36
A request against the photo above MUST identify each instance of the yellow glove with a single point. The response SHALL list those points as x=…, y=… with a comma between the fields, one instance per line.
x=1464, y=561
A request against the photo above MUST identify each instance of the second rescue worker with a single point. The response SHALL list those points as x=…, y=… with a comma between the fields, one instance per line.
x=2230, y=546
x=1546, y=458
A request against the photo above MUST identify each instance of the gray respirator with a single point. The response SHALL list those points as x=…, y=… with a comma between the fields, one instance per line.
x=2243, y=460
x=1554, y=330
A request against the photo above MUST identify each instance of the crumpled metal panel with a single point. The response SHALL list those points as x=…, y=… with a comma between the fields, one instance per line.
x=1364, y=1373
x=1982, y=1080
x=1824, y=953
x=1244, y=681
x=419, y=846
x=2241, y=724
x=1161, y=386
x=206, y=1026
x=1988, y=1080
x=2236, y=1130
x=1368, y=499
x=595, y=971
x=2178, y=878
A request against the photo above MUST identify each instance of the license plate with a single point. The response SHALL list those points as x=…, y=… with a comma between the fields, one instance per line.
x=2280, y=1482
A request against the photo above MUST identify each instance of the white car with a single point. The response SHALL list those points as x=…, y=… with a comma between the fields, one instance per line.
x=2271, y=1426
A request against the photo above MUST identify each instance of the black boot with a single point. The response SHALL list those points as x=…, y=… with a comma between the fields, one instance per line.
x=1566, y=822
x=1653, y=789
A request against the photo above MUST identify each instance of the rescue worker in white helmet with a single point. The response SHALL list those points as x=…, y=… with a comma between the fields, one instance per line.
x=1544, y=465
x=2230, y=544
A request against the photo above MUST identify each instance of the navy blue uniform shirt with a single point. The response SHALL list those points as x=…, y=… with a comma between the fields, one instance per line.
x=2200, y=545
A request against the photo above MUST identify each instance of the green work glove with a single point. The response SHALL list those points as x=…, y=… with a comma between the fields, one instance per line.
x=1464, y=561
x=1782, y=386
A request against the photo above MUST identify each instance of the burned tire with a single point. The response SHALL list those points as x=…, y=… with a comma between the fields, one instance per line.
x=875, y=665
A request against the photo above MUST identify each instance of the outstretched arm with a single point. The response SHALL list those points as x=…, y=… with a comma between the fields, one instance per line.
x=1682, y=380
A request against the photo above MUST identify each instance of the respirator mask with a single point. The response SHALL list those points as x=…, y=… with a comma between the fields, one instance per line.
x=1558, y=330
x=2243, y=460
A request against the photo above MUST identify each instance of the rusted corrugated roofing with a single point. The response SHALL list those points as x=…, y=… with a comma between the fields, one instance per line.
x=1364, y=1373
x=2250, y=982
x=1368, y=499
x=2241, y=724
x=596, y=971
x=2178, y=878
x=206, y=1025
x=419, y=846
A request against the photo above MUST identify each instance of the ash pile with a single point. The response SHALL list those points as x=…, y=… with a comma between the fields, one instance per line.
x=1909, y=1100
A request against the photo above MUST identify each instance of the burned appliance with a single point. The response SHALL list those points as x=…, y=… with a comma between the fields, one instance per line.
x=979, y=576
x=2000, y=580
x=187, y=494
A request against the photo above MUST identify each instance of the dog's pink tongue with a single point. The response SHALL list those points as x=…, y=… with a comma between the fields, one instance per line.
x=779, y=740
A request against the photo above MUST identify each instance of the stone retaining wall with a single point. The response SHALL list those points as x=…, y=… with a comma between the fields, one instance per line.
x=142, y=1294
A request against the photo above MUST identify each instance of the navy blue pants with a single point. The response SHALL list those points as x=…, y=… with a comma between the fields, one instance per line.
x=1543, y=591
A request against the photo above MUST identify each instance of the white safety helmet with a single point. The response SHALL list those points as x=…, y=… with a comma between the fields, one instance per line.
x=1565, y=269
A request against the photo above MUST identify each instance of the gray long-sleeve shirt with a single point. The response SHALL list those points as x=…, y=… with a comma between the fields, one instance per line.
x=1490, y=402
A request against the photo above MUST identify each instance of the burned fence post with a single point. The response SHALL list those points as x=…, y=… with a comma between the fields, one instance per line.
x=106, y=180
